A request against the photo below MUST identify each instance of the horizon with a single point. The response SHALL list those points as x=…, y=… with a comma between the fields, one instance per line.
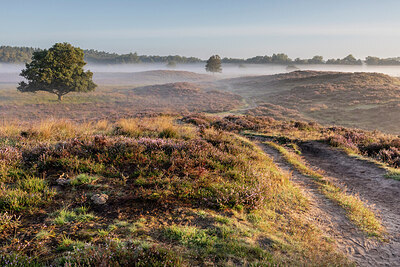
x=297, y=28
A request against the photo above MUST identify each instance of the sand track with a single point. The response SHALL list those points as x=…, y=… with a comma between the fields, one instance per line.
x=360, y=177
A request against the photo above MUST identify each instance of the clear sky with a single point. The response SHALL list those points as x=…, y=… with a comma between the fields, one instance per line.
x=232, y=28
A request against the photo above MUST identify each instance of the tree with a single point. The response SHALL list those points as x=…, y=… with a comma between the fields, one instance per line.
x=214, y=64
x=317, y=60
x=58, y=70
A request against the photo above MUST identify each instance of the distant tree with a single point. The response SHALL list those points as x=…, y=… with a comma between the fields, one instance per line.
x=58, y=70
x=316, y=60
x=372, y=60
x=214, y=64
x=350, y=58
x=280, y=58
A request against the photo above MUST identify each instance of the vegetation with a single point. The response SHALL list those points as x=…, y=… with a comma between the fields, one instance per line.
x=13, y=54
x=214, y=64
x=179, y=195
x=349, y=60
x=9, y=54
x=382, y=61
x=58, y=70
x=379, y=147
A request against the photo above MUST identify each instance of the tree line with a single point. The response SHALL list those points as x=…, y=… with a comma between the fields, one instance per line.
x=9, y=54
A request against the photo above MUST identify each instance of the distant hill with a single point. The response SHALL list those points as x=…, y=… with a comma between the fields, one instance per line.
x=190, y=96
x=367, y=100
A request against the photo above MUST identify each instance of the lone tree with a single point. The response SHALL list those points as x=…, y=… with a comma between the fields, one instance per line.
x=214, y=64
x=58, y=70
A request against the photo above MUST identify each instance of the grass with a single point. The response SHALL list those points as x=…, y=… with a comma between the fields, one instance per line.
x=83, y=179
x=28, y=193
x=44, y=234
x=178, y=195
x=393, y=174
x=65, y=216
x=68, y=244
x=357, y=211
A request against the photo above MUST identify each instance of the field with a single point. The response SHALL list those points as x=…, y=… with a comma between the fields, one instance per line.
x=176, y=194
x=111, y=102
x=189, y=170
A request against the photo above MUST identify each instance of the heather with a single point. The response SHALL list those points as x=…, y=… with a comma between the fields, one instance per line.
x=148, y=190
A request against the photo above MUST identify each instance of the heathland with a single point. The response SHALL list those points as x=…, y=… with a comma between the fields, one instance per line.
x=183, y=169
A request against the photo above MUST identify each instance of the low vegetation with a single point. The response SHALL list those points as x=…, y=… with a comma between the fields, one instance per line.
x=379, y=147
x=177, y=195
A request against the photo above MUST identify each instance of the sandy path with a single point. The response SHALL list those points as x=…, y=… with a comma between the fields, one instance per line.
x=332, y=219
x=367, y=180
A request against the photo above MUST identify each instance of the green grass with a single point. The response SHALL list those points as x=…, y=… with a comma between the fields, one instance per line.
x=67, y=244
x=356, y=210
x=393, y=174
x=217, y=242
x=83, y=179
x=65, y=216
x=44, y=234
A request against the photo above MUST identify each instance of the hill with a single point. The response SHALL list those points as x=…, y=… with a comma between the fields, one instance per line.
x=191, y=97
x=364, y=100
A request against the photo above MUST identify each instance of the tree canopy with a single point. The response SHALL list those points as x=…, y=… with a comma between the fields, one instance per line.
x=58, y=70
x=214, y=64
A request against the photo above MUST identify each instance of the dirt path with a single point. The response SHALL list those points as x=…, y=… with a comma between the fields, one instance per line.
x=332, y=219
x=367, y=180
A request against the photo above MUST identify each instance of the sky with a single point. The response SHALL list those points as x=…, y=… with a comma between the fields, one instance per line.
x=230, y=28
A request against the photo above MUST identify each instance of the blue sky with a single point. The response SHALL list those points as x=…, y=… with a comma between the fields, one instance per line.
x=231, y=28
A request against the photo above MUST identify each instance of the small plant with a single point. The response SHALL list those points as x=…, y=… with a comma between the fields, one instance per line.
x=32, y=185
x=68, y=244
x=83, y=179
x=103, y=233
x=64, y=216
x=8, y=221
x=222, y=219
x=43, y=234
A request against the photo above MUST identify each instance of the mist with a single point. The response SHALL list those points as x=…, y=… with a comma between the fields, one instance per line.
x=9, y=73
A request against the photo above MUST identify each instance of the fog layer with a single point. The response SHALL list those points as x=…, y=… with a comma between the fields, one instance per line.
x=9, y=73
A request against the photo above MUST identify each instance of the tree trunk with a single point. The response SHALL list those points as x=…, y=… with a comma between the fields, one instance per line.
x=59, y=97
